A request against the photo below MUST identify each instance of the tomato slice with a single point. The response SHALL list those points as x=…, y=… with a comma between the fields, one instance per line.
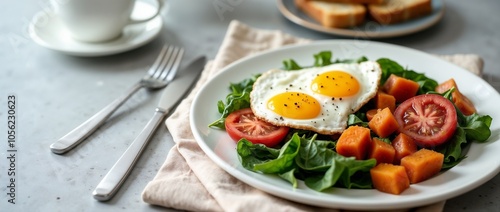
x=244, y=124
x=429, y=119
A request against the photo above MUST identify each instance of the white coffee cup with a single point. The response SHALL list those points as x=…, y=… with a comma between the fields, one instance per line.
x=97, y=20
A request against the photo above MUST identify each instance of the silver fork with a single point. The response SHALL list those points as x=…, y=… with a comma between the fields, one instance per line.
x=159, y=75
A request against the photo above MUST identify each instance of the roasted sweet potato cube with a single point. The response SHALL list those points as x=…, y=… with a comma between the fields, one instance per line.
x=403, y=146
x=401, y=88
x=463, y=103
x=422, y=164
x=383, y=123
x=383, y=100
x=389, y=178
x=381, y=151
x=354, y=142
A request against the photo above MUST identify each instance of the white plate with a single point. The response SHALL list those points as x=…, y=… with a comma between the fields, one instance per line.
x=46, y=29
x=482, y=163
x=369, y=29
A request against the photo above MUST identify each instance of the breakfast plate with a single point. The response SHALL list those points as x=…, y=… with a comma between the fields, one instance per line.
x=46, y=30
x=369, y=29
x=482, y=163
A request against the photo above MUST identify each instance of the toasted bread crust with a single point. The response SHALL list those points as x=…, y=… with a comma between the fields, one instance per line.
x=334, y=15
x=396, y=11
x=354, y=1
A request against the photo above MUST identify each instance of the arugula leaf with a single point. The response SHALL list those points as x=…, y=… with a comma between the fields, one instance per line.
x=239, y=98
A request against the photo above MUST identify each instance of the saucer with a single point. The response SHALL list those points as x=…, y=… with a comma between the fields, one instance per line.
x=47, y=30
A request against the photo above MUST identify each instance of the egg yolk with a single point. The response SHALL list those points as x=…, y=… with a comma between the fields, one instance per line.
x=294, y=105
x=335, y=84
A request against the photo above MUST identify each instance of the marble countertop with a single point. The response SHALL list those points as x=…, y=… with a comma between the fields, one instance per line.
x=55, y=92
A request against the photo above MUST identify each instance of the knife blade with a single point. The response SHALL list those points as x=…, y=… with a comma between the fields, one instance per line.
x=113, y=180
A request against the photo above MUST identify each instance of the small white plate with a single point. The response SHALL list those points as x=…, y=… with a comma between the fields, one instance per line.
x=369, y=29
x=482, y=162
x=46, y=29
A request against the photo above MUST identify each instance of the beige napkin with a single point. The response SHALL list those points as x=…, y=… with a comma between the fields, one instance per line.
x=189, y=180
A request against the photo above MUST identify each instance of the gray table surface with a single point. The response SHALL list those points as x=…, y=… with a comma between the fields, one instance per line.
x=56, y=92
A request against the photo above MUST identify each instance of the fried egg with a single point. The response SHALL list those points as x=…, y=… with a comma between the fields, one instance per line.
x=319, y=99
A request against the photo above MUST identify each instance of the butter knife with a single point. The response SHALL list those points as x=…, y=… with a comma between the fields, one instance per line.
x=110, y=184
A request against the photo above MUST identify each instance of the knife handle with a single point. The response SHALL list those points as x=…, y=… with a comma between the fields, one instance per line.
x=77, y=135
x=110, y=184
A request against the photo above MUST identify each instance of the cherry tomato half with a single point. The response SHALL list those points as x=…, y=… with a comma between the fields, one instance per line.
x=244, y=124
x=429, y=119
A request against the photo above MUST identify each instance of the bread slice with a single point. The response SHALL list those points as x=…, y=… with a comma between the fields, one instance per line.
x=333, y=15
x=356, y=1
x=396, y=11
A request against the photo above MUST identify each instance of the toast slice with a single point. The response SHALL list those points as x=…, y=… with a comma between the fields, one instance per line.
x=355, y=1
x=396, y=11
x=333, y=15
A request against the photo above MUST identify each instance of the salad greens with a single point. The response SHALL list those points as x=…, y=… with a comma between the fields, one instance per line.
x=239, y=98
x=305, y=157
x=313, y=161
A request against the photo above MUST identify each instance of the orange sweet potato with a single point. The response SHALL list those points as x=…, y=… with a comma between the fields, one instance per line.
x=371, y=113
x=389, y=178
x=383, y=100
x=422, y=165
x=401, y=88
x=403, y=146
x=355, y=142
x=383, y=123
x=461, y=101
x=381, y=151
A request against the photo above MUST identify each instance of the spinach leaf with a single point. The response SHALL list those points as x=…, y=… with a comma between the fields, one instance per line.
x=353, y=119
x=323, y=58
x=251, y=154
x=285, y=160
x=290, y=65
x=452, y=151
x=290, y=177
x=313, y=160
x=318, y=156
x=239, y=98
x=477, y=127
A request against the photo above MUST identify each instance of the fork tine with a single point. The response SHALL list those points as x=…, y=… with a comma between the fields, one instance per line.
x=168, y=56
x=173, y=66
x=158, y=60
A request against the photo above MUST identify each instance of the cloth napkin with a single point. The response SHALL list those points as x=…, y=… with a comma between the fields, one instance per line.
x=189, y=180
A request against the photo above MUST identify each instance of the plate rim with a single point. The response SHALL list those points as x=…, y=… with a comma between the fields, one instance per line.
x=243, y=174
x=357, y=33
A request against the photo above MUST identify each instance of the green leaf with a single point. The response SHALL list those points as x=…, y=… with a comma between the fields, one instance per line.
x=239, y=98
x=291, y=65
x=315, y=155
x=285, y=160
x=290, y=177
x=355, y=120
x=452, y=151
x=323, y=58
x=250, y=154
x=477, y=127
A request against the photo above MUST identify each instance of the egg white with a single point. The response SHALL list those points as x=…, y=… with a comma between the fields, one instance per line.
x=334, y=111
